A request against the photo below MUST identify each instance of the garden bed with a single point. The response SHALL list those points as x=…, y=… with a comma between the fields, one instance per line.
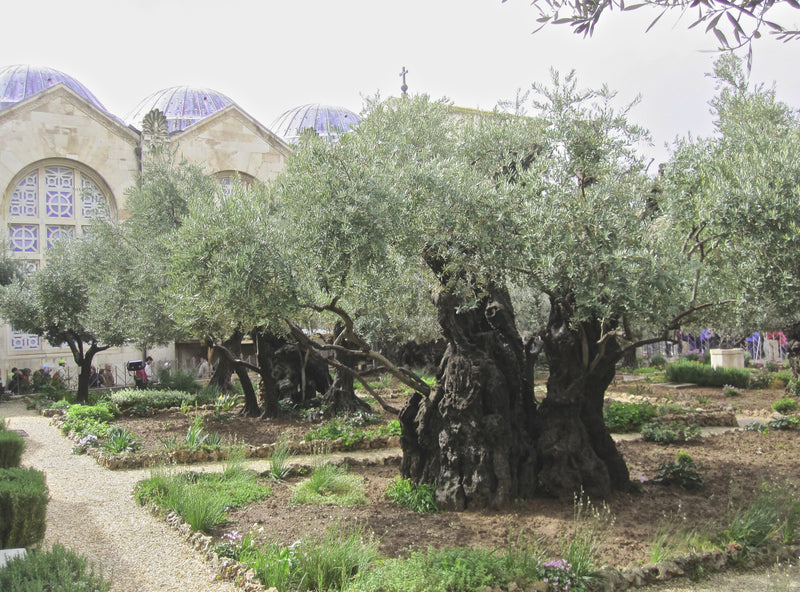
x=735, y=465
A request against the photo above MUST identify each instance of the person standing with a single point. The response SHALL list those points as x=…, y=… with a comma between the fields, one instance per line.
x=150, y=371
x=60, y=373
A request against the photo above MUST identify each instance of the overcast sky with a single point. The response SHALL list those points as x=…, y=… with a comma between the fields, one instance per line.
x=269, y=56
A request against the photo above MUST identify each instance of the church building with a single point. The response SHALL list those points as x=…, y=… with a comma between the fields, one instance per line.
x=65, y=159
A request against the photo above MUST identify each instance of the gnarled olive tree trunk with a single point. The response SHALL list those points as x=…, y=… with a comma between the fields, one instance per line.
x=341, y=398
x=268, y=344
x=473, y=436
x=574, y=448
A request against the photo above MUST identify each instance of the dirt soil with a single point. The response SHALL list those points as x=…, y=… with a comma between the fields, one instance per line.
x=735, y=463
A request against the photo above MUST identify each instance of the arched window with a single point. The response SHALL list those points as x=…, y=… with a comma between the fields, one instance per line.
x=227, y=178
x=50, y=201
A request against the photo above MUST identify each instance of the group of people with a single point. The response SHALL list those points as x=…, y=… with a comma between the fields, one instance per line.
x=22, y=380
x=103, y=378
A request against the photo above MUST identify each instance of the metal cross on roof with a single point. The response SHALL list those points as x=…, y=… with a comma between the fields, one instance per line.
x=403, y=73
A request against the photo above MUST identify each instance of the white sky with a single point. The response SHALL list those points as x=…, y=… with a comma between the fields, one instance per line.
x=270, y=56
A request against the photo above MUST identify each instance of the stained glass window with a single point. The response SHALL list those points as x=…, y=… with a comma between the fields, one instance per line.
x=23, y=238
x=60, y=192
x=24, y=341
x=57, y=233
x=52, y=201
x=25, y=198
x=93, y=203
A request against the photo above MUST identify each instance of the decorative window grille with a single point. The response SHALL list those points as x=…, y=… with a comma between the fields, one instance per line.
x=93, y=203
x=23, y=238
x=57, y=233
x=24, y=201
x=59, y=192
x=24, y=341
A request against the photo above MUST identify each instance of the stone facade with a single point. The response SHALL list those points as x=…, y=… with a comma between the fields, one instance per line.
x=61, y=157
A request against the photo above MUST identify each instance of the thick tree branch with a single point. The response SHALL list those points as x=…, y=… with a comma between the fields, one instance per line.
x=313, y=348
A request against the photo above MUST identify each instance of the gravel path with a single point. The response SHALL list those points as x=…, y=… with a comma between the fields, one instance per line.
x=92, y=513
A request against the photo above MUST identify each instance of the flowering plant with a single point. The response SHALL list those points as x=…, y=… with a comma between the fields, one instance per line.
x=558, y=576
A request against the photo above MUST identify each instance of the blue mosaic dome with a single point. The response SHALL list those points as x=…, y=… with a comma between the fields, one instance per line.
x=182, y=105
x=329, y=122
x=21, y=81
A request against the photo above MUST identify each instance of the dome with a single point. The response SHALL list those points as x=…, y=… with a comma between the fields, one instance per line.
x=21, y=81
x=328, y=121
x=183, y=106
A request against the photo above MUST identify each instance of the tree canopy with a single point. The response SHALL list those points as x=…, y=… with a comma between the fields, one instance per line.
x=739, y=189
x=735, y=23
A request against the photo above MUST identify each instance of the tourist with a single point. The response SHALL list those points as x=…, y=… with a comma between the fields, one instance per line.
x=94, y=378
x=150, y=371
x=60, y=373
x=108, y=377
x=15, y=380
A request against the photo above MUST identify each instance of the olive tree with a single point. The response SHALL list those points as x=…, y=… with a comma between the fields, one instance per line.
x=64, y=302
x=738, y=191
x=450, y=209
x=228, y=273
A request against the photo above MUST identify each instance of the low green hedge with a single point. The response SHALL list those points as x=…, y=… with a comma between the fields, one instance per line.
x=23, y=507
x=157, y=399
x=621, y=417
x=703, y=375
x=11, y=447
x=57, y=569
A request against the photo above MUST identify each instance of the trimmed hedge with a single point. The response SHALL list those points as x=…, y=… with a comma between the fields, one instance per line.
x=703, y=375
x=11, y=447
x=157, y=399
x=57, y=569
x=23, y=507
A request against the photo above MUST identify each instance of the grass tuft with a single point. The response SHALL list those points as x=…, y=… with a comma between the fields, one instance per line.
x=329, y=484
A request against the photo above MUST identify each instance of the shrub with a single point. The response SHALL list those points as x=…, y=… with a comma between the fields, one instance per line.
x=785, y=406
x=793, y=388
x=329, y=484
x=784, y=423
x=669, y=433
x=350, y=431
x=57, y=569
x=683, y=472
x=23, y=507
x=157, y=399
x=420, y=497
x=704, y=375
x=731, y=391
x=55, y=391
x=658, y=361
x=102, y=412
x=175, y=379
x=11, y=447
x=121, y=440
x=623, y=417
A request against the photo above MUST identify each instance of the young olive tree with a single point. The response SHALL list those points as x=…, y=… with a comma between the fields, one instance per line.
x=64, y=302
x=229, y=273
x=738, y=191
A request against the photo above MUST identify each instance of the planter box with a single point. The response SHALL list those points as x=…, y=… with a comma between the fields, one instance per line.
x=727, y=358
